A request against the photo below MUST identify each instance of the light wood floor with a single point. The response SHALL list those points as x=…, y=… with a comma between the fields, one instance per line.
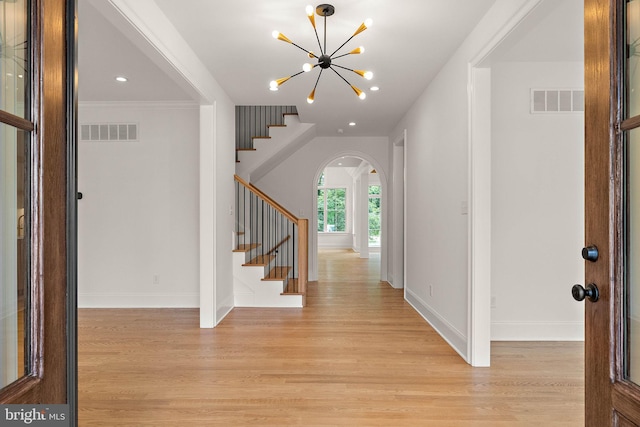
x=358, y=355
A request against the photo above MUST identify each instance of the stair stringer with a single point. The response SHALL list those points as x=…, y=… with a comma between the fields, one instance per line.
x=269, y=153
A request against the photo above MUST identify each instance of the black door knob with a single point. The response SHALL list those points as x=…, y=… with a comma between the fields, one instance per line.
x=591, y=292
x=590, y=253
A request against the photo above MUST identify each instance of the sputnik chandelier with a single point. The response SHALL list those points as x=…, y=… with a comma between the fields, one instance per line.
x=325, y=61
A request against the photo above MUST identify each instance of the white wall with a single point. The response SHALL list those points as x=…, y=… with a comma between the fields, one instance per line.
x=537, y=205
x=164, y=44
x=298, y=195
x=138, y=220
x=436, y=280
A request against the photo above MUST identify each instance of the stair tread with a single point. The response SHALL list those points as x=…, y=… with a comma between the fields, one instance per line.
x=260, y=137
x=291, y=288
x=245, y=149
x=276, y=126
x=246, y=247
x=278, y=273
x=261, y=260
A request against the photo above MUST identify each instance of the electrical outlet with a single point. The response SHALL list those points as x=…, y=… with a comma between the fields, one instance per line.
x=430, y=290
x=156, y=279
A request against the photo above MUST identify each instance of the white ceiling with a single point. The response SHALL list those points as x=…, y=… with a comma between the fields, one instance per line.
x=407, y=45
x=104, y=53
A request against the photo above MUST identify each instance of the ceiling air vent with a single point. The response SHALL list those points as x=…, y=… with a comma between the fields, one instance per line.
x=109, y=132
x=557, y=101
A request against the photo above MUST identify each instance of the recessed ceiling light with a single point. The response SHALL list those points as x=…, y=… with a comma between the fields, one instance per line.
x=352, y=124
x=375, y=88
x=339, y=164
x=121, y=79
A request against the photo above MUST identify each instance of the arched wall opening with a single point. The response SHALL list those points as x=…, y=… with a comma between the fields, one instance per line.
x=352, y=236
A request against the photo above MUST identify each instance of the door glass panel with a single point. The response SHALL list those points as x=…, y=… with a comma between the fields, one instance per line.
x=13, y=56
x=13, y=254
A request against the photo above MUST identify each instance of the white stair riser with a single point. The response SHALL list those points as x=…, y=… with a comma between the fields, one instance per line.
x=251, y=291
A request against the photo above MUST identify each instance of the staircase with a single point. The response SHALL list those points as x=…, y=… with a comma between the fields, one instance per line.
x=270, y=251
x=262, y=142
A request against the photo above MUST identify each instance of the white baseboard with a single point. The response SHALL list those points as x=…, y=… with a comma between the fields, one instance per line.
x=138, y=300
x=224, y=309
x=537, y=331
x=448, y=332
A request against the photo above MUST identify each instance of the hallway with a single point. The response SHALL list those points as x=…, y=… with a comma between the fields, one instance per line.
x=358, y=355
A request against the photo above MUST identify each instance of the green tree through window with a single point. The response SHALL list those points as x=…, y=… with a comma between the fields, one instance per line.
x=332, y=204
x=374, y=215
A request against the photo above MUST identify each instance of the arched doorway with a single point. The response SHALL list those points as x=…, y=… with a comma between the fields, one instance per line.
x=349, y=210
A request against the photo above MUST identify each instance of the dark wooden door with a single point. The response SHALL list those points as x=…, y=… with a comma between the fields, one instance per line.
x=37, y=202
x=612, y=186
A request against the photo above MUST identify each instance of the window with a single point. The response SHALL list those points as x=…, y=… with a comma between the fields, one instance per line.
x=374, y=215
x=332, y=208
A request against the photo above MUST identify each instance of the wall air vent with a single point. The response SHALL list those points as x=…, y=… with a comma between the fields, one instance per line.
x=109, y=132
x=545, y=101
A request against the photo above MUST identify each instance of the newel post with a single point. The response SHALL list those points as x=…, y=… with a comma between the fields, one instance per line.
x=303, y=258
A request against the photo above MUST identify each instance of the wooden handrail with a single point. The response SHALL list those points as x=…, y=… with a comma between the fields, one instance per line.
x=278, y=245
x=267, y=199
x=302, y=239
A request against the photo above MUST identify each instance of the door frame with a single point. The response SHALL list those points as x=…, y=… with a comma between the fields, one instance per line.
x=479, y=194
x=51, y=296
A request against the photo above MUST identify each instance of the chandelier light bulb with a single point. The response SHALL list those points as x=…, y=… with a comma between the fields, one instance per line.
x=358, y=92
x=311, y=96
x=368, y=23
x=307, y=67
x=311, y=16
x=275, y=34
x=273, y=85
x=362, y=73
